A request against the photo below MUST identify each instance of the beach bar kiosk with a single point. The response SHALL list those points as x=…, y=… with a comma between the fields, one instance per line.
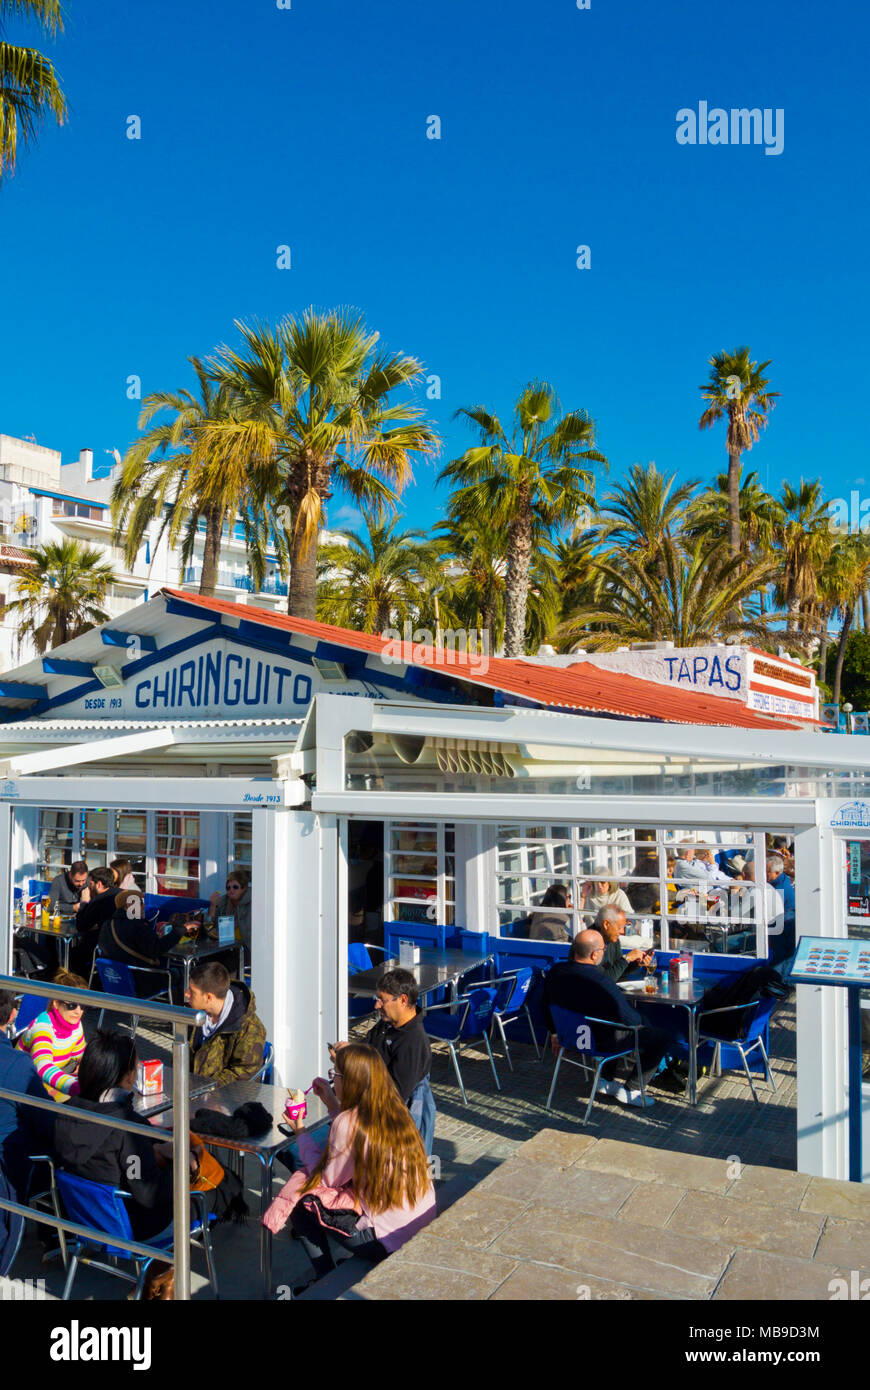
x=366, y=782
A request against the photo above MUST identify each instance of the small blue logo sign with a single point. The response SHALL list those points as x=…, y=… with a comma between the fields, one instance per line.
x=854, y=815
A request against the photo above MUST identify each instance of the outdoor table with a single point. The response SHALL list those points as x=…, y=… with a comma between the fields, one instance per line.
x=435, y=970
x=201, y=948
x=681, y=994
x=265, y=1147
x=66, y=934
x=155, y=1104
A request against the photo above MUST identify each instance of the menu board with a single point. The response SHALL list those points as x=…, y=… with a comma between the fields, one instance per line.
x=826, y=960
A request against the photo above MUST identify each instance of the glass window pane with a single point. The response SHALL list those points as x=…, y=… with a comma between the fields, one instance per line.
x=55, y=841
x=177, y=852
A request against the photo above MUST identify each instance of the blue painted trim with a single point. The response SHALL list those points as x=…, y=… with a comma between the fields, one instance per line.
x=114, y=637
x=60, y=666
x=18, y=690
x=184, y=644
x=67, y=497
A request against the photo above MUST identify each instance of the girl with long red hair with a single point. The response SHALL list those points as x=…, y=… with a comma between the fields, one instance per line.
x=370, y=1188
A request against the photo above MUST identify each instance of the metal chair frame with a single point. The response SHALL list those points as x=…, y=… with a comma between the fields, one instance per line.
x=455, y=1044
x=163, y=994
x=601, y=1058
x=738, y=1043
x=141, y=1266
x=500, y=1017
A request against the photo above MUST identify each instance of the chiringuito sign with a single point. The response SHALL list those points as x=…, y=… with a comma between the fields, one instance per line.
x=217, y=680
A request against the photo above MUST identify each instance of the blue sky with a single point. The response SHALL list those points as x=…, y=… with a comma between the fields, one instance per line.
x=307, y=127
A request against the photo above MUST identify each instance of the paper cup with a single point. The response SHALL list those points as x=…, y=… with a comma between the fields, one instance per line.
x=296, y=1110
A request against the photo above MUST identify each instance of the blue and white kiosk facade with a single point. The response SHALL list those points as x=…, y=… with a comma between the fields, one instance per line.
x=201, y=736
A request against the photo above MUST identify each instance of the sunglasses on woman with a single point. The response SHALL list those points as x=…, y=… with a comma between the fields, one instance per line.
x=231, y=886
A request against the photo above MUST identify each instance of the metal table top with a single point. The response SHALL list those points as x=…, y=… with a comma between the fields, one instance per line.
x=146, y=1106
x=202, y=946
x=226, y=1099
x=686, y=993
x=436, y=968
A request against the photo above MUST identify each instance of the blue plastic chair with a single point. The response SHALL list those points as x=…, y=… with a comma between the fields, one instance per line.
x=265, y=1072
x=471, y=1018
x=32, y=1006
x=102, y=1206
x=511, y=1003
x=749, y=1035
x=38, y=888
x=429, y=936
x=574, y=1033
x=358, y=959
x=118, y=978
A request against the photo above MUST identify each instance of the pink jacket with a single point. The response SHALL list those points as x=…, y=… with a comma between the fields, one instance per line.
x=392, y=1228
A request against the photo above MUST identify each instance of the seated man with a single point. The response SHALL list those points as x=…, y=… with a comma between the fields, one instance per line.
x=24, y=1130
x=611, y=923
x=66, y=889
x=229, y=1045
x=579, y=984
x=399, y=1038
x=781, y=931
x=90, y=918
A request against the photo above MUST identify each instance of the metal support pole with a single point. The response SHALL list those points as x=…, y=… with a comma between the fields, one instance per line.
x=180, y=1163
x=856, y=1116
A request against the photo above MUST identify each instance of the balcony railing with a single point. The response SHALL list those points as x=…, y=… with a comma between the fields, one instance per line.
x=228, y=579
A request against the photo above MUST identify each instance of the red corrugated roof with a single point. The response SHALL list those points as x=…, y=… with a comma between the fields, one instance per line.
x=580, y=686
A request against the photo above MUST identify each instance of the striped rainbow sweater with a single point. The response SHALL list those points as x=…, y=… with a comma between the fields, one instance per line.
x=53, y=1046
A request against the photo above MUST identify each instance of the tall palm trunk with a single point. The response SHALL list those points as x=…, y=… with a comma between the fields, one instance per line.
x=214, y=522
x=519, y=559
x=302, y=593
x=824, y=643
x=734, y=502
x=841, y=651
x=865, y=610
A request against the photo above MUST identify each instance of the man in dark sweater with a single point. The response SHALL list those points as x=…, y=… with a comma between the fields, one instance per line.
x=580, y=984
x=611, y=922
x=400, y=1039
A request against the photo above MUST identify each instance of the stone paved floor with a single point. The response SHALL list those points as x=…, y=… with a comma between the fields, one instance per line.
x=569, y=1216
x=470, y=1143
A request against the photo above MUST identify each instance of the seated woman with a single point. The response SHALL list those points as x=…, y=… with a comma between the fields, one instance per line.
x=123, y=871
x=236, y=903
x=127, y=938
x=107, y=1078
x=370, y=1188
x=56, y=1041
x=601, y=892
x=552, y=926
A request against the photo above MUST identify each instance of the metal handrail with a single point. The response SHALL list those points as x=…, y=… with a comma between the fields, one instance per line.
x=181, y=1020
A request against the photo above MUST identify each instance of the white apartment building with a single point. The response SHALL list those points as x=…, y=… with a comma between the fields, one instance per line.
x=43, y=499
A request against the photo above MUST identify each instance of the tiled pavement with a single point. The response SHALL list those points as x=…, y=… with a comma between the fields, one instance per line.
x=574, y=1217
x=471, y=1143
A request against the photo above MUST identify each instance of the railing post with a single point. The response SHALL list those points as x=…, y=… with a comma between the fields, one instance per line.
x=180, y=1163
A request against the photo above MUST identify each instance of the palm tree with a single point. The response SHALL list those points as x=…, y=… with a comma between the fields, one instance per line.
x=198, y=465
x=642, y=513
x=29, y=88
x=696, y=603
x=707, y=519
x=62, y=593
x=326, y=388
x=805, y=542
x=737, y=391
x=849, y=580
x=474, y=567
x=526, y=485
x=373, y=581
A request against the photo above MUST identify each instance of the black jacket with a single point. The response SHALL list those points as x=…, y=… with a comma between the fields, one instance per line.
x=104, y=1155
x=91, y=916
x=133, y=941
x=405, y=1051
x=585, y=989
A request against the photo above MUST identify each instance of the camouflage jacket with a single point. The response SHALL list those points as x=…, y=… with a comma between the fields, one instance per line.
x=234, y=1051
